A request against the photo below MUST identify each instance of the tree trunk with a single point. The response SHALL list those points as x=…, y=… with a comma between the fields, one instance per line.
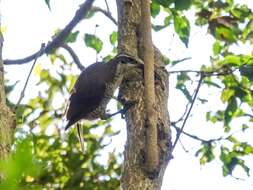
x=6, y=116
x=134, y=176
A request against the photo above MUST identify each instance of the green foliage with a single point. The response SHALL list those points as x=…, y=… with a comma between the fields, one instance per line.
x=231, y=159
x=206, y=152
x=183, y=4
x=164, y=3
x=21, y=168
x=81, y=171
x=114, y=38
x=155, y=8
x=182, y=27
x=54, y=161
x=182, y=78
x=72, y=37
x=93, y=42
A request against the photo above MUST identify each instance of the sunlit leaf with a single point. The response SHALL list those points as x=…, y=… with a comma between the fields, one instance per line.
x=217, y=47
x=206, y=153
x=229, y=113
x=113, y=38
x=227, y=94
x=72, y=37
x=182, y=28
x=93, y=42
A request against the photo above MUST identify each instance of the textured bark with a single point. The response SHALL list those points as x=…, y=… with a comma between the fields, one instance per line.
x=6, y=115
x=134, y=176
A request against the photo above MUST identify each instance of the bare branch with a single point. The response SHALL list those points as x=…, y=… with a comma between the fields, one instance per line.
x=107, y=6
x=215, y=72
x=21, y=61
x=106, y=13
x=194, y=136
x=28, y=77
x=60, y=38
x=74, y=56
x=189, y=111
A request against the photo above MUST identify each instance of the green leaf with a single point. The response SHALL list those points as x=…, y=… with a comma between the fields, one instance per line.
x=181, y=80
x=226, y=34
x=217, y=47
x=164, y=3
x=113, y=37
x=185, y=91
x=72, y=37
x=229, y=112
x=232, y=60
x=48, y=4
x=155, y=9
x=247, y=33
x=227, y=94
x=206, y=153
x=183, y=4
x=93, y=42
x=90, y=14
x=232, y=139
x=244, y=127
x=160, y=27
x=182, y=28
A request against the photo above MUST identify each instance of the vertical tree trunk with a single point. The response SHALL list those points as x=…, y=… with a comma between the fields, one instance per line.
x=134, y=176
x=6, y=115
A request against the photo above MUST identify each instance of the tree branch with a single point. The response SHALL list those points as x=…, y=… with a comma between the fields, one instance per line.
x=106, y=13
x=74, y=56
x=152, y=155
x=215, y=72
x=28, y=77
x=60, y=38
x=189, y=111
x=178, y=129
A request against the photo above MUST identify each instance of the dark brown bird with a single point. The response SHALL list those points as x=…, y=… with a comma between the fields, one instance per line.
x=95, y=87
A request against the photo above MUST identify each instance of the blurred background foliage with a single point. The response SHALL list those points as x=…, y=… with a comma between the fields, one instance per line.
x=45, y=157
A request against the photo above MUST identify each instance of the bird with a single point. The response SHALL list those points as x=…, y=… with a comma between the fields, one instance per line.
x=95, y=87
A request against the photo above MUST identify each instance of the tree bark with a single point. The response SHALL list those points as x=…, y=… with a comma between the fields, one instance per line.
x=151, y=156
x=134, y=176
x=6, y=115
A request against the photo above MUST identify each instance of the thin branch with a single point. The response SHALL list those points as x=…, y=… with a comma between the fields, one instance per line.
x=21, y=61
x=151, y=152
x=107, y=6
x=189, y=111
x=60, y=38
x=106, y=13
x=28, y=77
x=194, y=136
x=183, y=147
x=184, y=71
x=173, y=124
x=74, y=56
x=183, y=115
x=216, y=72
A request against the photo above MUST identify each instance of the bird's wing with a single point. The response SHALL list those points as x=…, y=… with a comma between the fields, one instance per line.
x=90, y=83
x=86, y=95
